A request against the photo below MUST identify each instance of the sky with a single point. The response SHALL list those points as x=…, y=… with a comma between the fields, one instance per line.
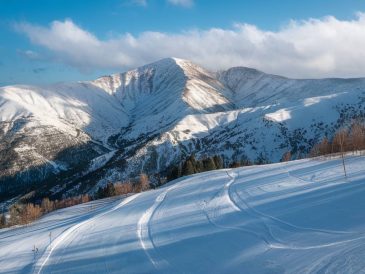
x=43, y=41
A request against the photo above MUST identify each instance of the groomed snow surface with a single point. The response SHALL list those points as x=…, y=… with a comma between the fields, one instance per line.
x=296, y=217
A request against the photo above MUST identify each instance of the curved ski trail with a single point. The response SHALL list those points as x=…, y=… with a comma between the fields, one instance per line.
x=268, y=221
x=42, y=261
x=144, y=232
x=222, y=198
x=262, y=224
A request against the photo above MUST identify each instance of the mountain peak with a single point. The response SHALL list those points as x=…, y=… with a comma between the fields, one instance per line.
x=171, y=59
x=166, y=62
x=111, y=83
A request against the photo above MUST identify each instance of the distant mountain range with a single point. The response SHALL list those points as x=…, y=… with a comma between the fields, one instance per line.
x=67, y=139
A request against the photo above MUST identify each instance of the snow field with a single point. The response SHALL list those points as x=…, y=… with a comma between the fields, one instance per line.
x=296, y=217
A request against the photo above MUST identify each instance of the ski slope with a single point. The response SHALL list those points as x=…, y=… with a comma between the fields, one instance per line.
x=296, y=217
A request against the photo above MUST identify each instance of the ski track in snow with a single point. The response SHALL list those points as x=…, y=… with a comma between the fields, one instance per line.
x=144, y=231
x=267, y=221
x=42, y=262
x=223, y=197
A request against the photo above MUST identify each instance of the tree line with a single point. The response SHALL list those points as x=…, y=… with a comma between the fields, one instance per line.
x=21, y=214
x=122, y=188
x=191, y=166
x=25, y=213
x=346, y=139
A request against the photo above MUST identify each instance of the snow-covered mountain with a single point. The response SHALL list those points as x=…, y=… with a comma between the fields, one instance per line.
x=75, y=137
x=296, y=217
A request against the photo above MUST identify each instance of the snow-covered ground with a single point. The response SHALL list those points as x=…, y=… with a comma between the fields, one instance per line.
x=297, y=217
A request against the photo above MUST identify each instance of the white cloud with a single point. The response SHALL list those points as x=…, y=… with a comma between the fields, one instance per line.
x=183, y=3
x=312, y=48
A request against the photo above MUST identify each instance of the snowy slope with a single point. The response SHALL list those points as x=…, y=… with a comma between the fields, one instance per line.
x=48, y=132
x=296, y=217
x=254, y=88
x=69, y=107
x=159, y=94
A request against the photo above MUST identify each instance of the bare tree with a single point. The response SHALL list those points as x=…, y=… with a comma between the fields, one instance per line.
x=286, y=156
x=15, y=211
x=314, y=152
x=47, y=205
x=85, y=198
x=322, y=148
x=123, y=188
x=30, y=213
x=358, y=136
x=143, y=183
x=340, y=140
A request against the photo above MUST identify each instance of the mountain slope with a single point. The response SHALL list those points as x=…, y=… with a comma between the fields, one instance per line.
x=163, y=92
x=47, y=132
x=262, y=219
x=73, y=138
x=254, y=88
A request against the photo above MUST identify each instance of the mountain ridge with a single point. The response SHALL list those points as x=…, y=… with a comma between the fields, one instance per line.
x=149, y=118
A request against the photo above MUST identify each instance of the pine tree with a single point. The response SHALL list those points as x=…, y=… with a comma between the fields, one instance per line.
x=199, y=167
x=100, y=193
x=246, y=162
x=2, y=220
x=261, y=159
x=194, y=163
x=209, y=164
x=173, y=173
x=218, y=162
x=234, y=164
x=109, y=191
x=188, y=168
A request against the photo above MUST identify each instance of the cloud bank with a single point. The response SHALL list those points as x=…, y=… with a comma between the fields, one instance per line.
x=326, y=47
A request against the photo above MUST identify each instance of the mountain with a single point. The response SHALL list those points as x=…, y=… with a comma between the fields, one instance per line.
x=67, y=139
x=296, y=217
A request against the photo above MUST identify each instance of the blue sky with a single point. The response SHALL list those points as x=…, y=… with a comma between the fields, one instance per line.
x=117, y=35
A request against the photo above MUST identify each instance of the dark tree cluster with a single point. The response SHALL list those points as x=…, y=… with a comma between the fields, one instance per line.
x=191, y=166
x=122, y=188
